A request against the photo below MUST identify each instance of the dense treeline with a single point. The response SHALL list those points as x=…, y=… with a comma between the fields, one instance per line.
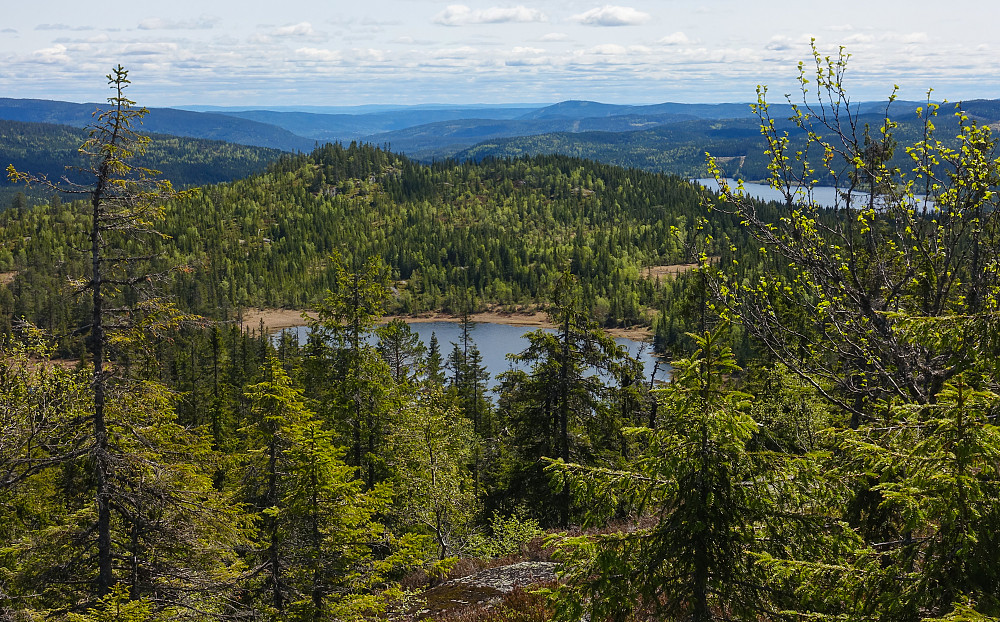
x=51, y=150
x=454, y=234
x=680, y=148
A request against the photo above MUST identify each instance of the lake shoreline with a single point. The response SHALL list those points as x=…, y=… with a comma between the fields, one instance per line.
x=275, y=320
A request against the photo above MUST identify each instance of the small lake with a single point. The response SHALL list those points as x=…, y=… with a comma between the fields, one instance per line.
x=824, y=196
x=496, y=341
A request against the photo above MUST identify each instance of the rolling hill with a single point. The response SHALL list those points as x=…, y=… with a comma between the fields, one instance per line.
x=162, y=121
x=49, y=149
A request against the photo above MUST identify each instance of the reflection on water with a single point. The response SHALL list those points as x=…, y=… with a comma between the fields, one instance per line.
x=496, y=341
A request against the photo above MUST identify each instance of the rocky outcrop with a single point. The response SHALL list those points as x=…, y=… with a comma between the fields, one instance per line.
x=484, y=588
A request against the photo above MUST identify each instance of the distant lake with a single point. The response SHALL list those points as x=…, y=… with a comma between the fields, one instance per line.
x=496, y=341
x=823, y=195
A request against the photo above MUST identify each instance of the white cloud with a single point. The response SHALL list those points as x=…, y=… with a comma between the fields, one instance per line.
x=317, y=54
x=608, y=49
x=408, y=40
x=555, y=36
x=677, y=38
x=302, y=29
x=366, y=55
x=858, y=38
x=523, y=56
x=779, y=43
x=372, y=21
x=462, y=52
x=157, y=23
x=61, y=27
x=913, y=37
x=609, y=15
x=52, y=55
x=149, y=49
x=461, y=15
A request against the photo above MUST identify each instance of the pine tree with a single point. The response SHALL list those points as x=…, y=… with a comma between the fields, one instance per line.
x=434, y=368
x=551, y=410
x=401, y=348
x=937, y=475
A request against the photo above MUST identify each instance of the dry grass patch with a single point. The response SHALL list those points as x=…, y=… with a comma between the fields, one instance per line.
x=672, y=270
x=658, y=272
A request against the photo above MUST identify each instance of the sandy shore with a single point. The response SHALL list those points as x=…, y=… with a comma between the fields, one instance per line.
x=275, y=319
x=278, y=319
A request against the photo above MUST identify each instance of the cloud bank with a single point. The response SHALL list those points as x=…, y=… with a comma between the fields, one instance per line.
x=461, y=15
x=609, y=15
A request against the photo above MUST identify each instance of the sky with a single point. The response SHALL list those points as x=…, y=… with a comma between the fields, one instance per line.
x=343, y=53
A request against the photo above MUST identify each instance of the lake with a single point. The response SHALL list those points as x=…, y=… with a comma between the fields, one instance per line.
x=496, y=341
x=823, y=195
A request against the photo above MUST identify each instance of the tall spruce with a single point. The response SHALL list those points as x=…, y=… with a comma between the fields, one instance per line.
x=360, y=381
x=552, y=409
x=146, y=471
x=719, y=513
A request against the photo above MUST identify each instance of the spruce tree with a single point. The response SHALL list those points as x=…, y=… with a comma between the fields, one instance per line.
x=151, y=500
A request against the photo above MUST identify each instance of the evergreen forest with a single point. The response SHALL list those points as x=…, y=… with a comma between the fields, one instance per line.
x=826, y=449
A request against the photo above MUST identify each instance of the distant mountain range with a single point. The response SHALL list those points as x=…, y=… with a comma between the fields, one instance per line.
x=671, y=137
x=162, y=121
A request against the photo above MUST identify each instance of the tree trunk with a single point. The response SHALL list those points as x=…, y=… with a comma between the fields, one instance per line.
x=102, y=462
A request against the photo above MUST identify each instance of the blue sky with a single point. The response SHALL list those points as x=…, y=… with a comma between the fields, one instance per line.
x=333, y=52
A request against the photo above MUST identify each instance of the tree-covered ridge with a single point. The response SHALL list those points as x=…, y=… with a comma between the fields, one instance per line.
x=489, y=232
x=161, y=121
x=680, y=148
x=49, y=149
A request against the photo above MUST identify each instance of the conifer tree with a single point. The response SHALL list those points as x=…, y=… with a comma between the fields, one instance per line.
x=434, y=365
x=723, y=512
x=938, y=479
x=401, y=348
x=361, y=388
x=318, y=521
x=550, y=410
x=144, y=472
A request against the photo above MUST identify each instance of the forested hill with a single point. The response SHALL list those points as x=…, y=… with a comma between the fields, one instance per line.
x=489, y=232
x=48, y=149
x=680, y=148
x=163, y=121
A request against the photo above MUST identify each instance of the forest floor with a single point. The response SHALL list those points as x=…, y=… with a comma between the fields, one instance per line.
x=278, y=319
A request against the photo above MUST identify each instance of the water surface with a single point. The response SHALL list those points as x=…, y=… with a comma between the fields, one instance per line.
x=496, y=341
x=824, y=196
